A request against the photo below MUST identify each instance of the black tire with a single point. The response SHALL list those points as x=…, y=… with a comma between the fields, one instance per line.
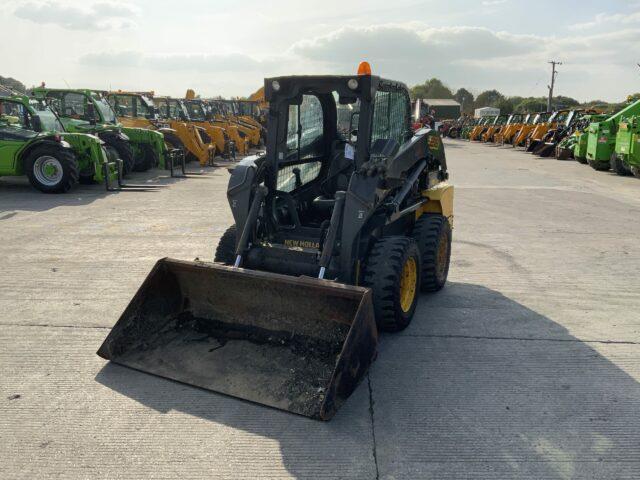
x=618, y=166
x=148, y=161
x=383, y=274
x=453, y=133
x=599, y=166
x=225, y=251
x=563, y=153
x=125, y=153
x=432, y=233
x=33, y=164
x=636, y=171
x=581, y=160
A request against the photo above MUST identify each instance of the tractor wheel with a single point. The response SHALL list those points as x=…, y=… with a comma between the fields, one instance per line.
x=453, y=133
x=599, y=166
x=125, y=153
x=618, y=166
x=51, y=169
x=636, y=171
x=148, y=161
x=581, y=160
x=563, y=153
x=226, y=250
x=432, y=233
x=392, y=271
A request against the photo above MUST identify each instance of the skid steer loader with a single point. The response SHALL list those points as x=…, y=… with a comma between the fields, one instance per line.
x=338, y=227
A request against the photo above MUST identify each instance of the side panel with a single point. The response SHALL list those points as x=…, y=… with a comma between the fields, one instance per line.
x=8, y=157
x=440, y=200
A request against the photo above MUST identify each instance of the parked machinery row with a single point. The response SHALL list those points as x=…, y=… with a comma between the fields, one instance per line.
x=605, y=142
x=61, y=137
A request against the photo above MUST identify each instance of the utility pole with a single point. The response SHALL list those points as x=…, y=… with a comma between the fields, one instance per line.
x=554, y=72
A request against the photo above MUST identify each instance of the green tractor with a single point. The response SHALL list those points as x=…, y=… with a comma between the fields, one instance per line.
x=626, y=158
x=88, y=111
x=601, y=144
x=33, y=142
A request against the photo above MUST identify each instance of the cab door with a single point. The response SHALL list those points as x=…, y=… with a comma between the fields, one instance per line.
x=13, y=135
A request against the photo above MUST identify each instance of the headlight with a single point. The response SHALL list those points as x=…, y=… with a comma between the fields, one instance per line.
x=352, y=84
x=275, y=85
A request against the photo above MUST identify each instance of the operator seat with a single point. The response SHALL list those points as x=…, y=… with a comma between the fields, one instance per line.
x=338, y=177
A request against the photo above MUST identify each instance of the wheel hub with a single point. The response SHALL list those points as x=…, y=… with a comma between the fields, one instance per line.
x=408, y=282
x=48, y=170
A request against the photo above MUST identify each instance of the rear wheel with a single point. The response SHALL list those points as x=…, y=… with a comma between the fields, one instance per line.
x=635, y=171
x=581, y=160
x=432, y=233
x=392, y=271
x=225, y=252
x=51, y=169
x=618, y=166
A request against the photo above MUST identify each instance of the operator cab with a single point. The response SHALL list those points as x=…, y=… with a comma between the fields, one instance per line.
x=315, y=145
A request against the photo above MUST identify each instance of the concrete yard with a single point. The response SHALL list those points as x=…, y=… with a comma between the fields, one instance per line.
x=526, y=366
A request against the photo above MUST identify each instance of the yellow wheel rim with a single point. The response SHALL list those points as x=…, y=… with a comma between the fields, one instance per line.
x=408, y=282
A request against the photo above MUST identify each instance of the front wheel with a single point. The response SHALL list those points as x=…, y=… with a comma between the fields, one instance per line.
x=392, y=271
x=225, y=251
x=125, y=153
x=51, y=169
x=148, y=161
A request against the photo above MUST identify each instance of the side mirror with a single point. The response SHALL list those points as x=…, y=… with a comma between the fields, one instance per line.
x=91, y=113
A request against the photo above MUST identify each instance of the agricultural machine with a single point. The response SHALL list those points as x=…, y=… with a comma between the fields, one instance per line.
x=33, y=142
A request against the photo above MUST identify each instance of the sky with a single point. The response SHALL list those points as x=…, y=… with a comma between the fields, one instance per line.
x=227, y=47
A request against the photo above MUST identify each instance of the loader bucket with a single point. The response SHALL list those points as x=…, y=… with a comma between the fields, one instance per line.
x=294, y=343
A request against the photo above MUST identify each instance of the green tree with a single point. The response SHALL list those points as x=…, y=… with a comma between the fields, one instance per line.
x=564, y=102
x=506, y=106
x=433, y=88
x=531, y=105
x=489, y=98
x=465, y=98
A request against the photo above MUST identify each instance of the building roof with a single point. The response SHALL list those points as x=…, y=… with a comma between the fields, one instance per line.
x=440, y=102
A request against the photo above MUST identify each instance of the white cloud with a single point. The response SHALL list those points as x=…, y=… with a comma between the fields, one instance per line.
x=194, y=62
x=101, y=15
x=603, y=19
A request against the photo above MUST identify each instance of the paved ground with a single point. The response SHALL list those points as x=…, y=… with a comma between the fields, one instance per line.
x=525, y=366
